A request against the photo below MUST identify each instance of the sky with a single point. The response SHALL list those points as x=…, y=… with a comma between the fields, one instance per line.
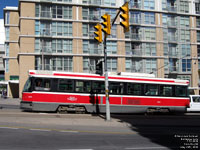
x=4, y=3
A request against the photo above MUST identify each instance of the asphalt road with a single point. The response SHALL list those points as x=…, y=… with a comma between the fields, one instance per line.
x=41, y=131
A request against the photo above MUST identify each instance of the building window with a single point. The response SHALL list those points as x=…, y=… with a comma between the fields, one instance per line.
x=173, y=50
x=7, y=49
x=7, y=21
x=112, y=64
x=43, y=11
x=61, y=46
x=133, y=48
x=43, y=45
x=171, y=35
x=149, y=4
x=184, y=35
x=149, y=18
x=59, y=11
x=42, y=28
x=111, y=47
x=134, y=65
x=173, y=65
x=185, y=50
x=113, y=32
x=6, y=65
x=111, y=12
x=91, y=13
x=88, y=30
x=184, y=6
x=186, y=65
x=149, y=33
x=61, y=28
x=94, y=2
x=184, y=22
x=198, y=22
x=89, y=64
x=134, y=33
x=109, y=2
x=7, y=30
x=198, y=36
x=149, y=49
x=92, y=47
x=151, y=65
x=197, y=8
x=54, y=63
x=135, y=17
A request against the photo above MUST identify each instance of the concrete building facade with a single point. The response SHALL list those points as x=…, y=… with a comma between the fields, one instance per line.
x=164, y=38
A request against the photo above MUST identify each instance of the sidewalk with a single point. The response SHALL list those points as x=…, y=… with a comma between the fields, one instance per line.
x=10, y=101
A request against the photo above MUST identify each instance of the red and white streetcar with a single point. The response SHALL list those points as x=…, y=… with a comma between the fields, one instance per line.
x=81, y=92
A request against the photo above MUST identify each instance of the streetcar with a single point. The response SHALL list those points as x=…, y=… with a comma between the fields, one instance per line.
x=53, y=91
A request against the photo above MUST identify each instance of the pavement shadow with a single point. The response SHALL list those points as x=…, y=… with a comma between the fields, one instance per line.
x=172, y=132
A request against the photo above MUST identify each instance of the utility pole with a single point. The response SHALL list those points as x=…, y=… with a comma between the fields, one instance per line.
x=106, y=81
x=107, y=31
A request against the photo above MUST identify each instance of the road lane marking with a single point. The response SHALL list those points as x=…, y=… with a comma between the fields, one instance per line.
x=40, y=130
x=67, y=131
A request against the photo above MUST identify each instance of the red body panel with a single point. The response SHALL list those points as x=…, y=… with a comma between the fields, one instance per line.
x=87, y=99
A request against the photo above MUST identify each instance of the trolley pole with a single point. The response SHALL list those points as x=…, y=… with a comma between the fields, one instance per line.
x=106, y=81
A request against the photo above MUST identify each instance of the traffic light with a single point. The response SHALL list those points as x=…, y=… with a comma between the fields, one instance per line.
x=106, y=24
x=99, y=67
x=98, y=33
x=125, y=17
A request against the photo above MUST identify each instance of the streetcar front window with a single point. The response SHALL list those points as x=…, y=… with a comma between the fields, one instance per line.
x=27, y=86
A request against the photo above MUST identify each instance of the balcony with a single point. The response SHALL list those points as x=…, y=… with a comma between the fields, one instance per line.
x=133, y=36
x=172, y=9
x=135, y=52
x=94, y=18
x=171, y=24
x=172, y=39
x=45, y=32
x=135, y=5
x=93, y=51
x=46, y=14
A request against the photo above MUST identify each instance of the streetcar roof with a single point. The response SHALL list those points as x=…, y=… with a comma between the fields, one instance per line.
x=111, y=77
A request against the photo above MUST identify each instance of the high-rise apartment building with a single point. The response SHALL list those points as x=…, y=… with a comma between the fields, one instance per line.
x=164, y=38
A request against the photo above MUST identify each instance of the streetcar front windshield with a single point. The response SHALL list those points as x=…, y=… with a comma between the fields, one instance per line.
x=27, y=86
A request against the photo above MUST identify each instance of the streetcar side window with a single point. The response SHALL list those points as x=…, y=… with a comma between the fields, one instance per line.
x=42, y=84
x=134, y=89
x=181, y=91
x=98, y=86
x=151, y=89
x=65, y=85
x=166, y=90
x=116, y=88
x=83, y=86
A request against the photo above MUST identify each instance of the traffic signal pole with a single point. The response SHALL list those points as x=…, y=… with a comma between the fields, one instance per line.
x=106, y=81
x=107, y=31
